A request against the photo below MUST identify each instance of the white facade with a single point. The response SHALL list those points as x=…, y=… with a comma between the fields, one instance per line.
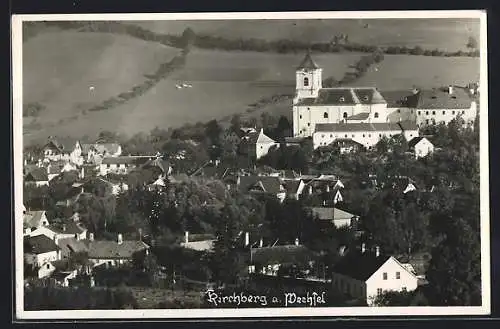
x=391, y=276
x=367, y=138
x=386, y=279
x=46, y=270
x=41, y=259
x=264, y=144
x=423, y=148
x=437, y=116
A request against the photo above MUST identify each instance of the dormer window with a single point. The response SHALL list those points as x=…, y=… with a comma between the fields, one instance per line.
x=366, y=98
x=306, y=82
x=342, y=99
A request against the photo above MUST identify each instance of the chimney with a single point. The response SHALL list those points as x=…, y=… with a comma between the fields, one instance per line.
x=324, y=202
x=247, y=239
x=140, y=234
x=450, y=89
x=91, y=236
x=327, y=188
x=76, y=217
x=64, y=227
x=310, y=189
x=120, y=238
x=82, y=175
x=25, y=162
x=297, y=242
x=186, y=237
x=363, y=248
x=261, y=243
x=82, y=190
x=377, y=251
x=48, y=168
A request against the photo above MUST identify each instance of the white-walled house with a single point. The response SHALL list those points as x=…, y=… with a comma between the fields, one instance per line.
x=421, y=146
x=366, y=134
x=257, y=144
x=33, y=220
x=40, y=249
x=122, y=164
x=114, y=253
x=366, y=274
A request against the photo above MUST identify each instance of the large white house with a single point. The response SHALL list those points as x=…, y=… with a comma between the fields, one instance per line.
x=365, y=275
x=366, y=134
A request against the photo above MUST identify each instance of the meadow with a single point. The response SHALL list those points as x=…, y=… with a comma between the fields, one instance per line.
x=61, y=67
x=69, y=72
x=445, y=34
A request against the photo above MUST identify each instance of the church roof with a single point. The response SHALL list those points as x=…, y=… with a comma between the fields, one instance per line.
x=307, y=63
x=344, y=96
x=374, y=126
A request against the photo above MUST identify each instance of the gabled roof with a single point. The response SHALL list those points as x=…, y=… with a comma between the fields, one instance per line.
x=103, y=249
x=344, y=96
x=69, y=227
x=308, y=63
x=33, y=218
x=288, y=254
x=39, y=244
x=359, y=127
x=267, y=184
x=330, y=213
x=37, y=175
x=158, y=162
x=292, y=186
x=63, y=144
x=440, y=99
x=360, y=266
x=72, y=245
x=414, y=141
x=202, y=245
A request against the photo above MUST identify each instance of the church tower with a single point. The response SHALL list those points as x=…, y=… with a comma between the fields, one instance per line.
x=307, y=79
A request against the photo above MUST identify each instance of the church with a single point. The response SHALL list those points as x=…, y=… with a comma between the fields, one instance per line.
x=364, y=114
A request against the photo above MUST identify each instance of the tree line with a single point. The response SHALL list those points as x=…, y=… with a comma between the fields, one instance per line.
x=282, y=46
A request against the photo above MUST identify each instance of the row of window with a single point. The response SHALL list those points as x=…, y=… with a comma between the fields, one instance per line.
x=380, y=290
x=398, y=275
x=444, y=112
x=364, y=135
x=325, y=116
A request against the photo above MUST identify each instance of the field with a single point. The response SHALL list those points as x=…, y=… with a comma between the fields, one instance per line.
x=446, y=34
x=69, y=72
x=60, y=67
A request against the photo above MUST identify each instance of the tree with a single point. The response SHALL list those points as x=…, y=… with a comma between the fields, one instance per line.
x=472, y=43
x=235, y=123
x=224, y=264
x=284, y=128
x=213, y=131
x=188, y=38
x=454, y=272
x=400, y=298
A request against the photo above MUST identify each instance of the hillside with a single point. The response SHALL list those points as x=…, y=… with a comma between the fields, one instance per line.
x=446, y=34
x=69, y=72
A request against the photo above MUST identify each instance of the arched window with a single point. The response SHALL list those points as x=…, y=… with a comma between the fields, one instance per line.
x=376, y=115
x=325, y=115
x=306, y=82
x=345, y=115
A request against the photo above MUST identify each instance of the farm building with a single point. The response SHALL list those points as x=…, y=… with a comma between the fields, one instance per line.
x=365, y=274
x=421, y=146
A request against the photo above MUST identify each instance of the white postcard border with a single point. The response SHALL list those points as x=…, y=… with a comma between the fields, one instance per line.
x=254, y=312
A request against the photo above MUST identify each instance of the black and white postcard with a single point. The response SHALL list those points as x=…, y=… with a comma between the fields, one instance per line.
x=251, y=165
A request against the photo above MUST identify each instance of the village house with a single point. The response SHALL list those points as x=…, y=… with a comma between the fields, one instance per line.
x=421, y=147
x=40, y=250
x=263, y=185
x=347, y=145
x=337, y=217
x=33, y=220
x=365, y=274
x=366, y=134
x=37, y=176
x=198, y=243
x=67, y=229
x=269, y=260
x=122, y=164
x=114, y=253
x=434, y=106
x=257, y=144
x=294, y=188
x=59, y=149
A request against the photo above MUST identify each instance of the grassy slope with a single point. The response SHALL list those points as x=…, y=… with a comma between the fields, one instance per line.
x=446, y=34
x=61, y=66
x=59, y=69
